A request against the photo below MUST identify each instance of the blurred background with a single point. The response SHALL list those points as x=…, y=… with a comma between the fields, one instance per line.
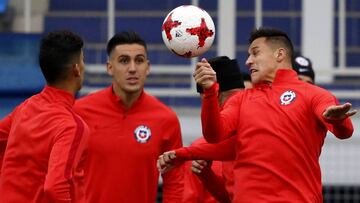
x=326, y=31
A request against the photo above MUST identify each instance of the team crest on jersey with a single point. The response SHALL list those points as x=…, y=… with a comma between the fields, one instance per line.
x=142, y=134
x=287, y=97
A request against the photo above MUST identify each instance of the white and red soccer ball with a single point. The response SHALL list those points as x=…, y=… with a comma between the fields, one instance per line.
x=188, y=31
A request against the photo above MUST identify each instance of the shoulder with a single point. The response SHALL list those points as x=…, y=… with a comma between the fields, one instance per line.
x=91, y=97
x=156, y=105
x=316, y=91
x=234, y=98
x=90, y=100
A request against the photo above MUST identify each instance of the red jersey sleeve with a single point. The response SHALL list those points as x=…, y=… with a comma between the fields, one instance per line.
x=340, y=128
x=5, y=125
x=217, y=126
x=63, y=159
x=222, y=151
x=215, y=184
x=173, y=181
x=193, y=189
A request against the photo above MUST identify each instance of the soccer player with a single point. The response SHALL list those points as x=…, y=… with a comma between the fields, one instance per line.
x=45, y=138
x=303, y=67
x=129, y=130
x=215, y=178
x=279, y=124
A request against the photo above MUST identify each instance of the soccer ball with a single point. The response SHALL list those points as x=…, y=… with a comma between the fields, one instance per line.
x=188, y=31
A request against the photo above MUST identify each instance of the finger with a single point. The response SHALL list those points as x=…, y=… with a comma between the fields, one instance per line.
x=166, y=158
x=202, y=163
x=203, y=70
x=172, y=155
x=167, y=168
x=198, y=164
x=204, y=60
x=195, y=170
x=163, y=170
x=351, y=113
x=161, y=161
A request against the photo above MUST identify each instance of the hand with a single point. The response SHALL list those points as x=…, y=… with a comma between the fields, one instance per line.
x=199, y=165
x=204, y=75
x=338, y=112
x=165, y=161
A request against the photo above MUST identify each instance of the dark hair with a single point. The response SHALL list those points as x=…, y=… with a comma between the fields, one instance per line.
x=128, y=37
x=274, y=36
x=58, y=49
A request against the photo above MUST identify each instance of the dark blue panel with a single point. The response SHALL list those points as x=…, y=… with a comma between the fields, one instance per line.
x=352, y=5
x=3, y=5
x=149, y=28
x=336, y=31
x=336, y=58
x=292, y=26
x=77, y=5
x=352, y=59
x=181, y=101
x=336, y=5
x=19, y=70
x=282, y=5
x=95, y=56
x=209, y=5
x=92, y=29
x=241, y=57
x=166, y=57
x=244, y=25
x=245, y=5
x=352, y=31
x=168, y=5
x=7, y=104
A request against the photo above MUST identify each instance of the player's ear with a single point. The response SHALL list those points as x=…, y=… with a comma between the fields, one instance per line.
x=148, y=67
x=280, y=54
x=109, y=68
x=76, y=70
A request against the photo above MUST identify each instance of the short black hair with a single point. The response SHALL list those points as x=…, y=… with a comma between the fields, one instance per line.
x=275, y=36
x=58, y=49
x=126, y=37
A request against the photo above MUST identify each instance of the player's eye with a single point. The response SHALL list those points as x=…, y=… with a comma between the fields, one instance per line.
x=123, y=60
x=139, y=60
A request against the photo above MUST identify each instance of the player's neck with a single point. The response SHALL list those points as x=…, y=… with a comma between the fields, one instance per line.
x=66, y=87
x=127, y=98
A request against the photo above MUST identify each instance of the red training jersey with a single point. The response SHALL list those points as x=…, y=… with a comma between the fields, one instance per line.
x=194, y=189
x=280, y=131
x=45, y=148
x=224, y=154
x=124, y=146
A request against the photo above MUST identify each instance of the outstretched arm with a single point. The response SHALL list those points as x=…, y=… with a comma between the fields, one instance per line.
x=223, y=151
x=338, y=121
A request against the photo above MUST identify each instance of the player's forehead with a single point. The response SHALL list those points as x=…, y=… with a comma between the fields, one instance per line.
x=130, y=50
x=259, y=44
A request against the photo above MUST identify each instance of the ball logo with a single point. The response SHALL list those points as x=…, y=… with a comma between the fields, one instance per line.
x=142, y=134
x=287, y=97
